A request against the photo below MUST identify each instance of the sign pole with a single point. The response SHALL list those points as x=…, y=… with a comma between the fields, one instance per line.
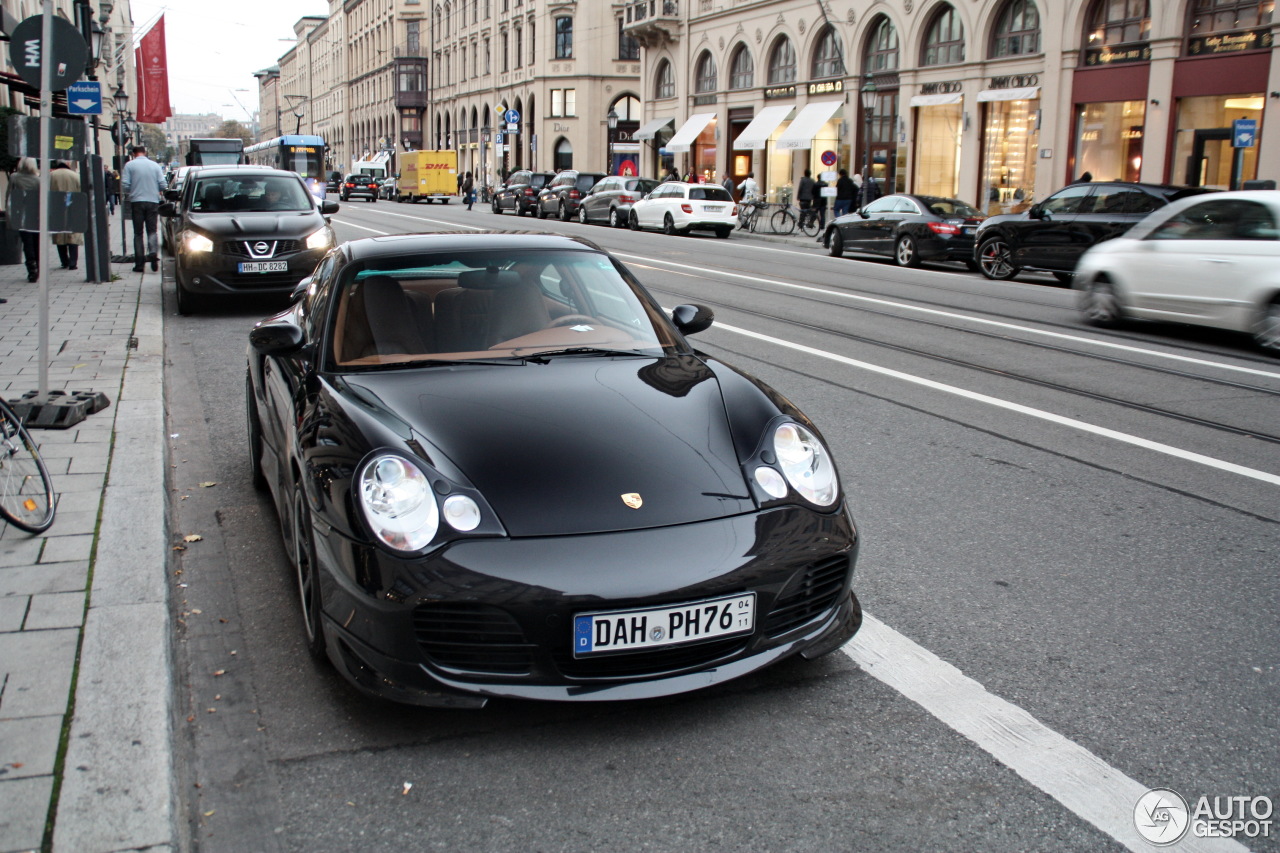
x=46, y=107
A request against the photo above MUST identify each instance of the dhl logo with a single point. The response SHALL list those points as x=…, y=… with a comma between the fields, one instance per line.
x=435, y=165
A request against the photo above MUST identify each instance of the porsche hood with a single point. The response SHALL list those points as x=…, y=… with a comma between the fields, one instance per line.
x=578, y=444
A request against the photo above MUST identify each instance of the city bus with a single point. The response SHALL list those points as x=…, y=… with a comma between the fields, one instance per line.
x=299, y=153
x=215, y=152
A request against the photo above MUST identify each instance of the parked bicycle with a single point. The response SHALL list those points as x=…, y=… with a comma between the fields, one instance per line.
x=749, y=212
x=785, y=221
x=26, y=492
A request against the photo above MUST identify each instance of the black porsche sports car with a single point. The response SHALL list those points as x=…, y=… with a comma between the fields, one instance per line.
x=501, y=470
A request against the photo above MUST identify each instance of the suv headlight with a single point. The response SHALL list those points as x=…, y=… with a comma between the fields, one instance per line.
x=196, y=242
x=798, y=460
x=322, y=239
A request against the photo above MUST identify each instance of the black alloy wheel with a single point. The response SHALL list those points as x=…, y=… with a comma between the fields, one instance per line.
x=538, y=211
x=835, y=243
x=188, y=302
x=669, y=226
x=906, y=253
x=564, y=211
x=995, y=260
x=633, y=221
x=497, y=208
x=723, y=232
x=303, y=554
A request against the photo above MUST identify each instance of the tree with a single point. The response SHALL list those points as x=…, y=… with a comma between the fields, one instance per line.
x=232, y=129
x=152, y=136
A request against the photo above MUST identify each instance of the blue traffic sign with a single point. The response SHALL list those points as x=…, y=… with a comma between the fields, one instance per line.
x=85, y=98
x=512, y=116
x=1244, y=133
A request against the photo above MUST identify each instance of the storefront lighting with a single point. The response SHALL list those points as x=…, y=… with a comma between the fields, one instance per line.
x=1244, y=103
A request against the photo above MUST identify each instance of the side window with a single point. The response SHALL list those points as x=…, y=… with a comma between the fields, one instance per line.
x=317, y=295
x=1115, y=201
x=1143, y=203
x=1220, y=220
x=905, y=205
x=1067, y=201
x=1257, y=222
x=882, y=205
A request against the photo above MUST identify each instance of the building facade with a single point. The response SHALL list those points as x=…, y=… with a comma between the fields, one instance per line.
x=181, y=127
x=996, y=102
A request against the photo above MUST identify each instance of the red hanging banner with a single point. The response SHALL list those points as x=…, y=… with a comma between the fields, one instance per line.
x=153, y=76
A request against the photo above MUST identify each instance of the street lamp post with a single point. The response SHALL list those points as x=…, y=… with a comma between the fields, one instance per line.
x=868, y=115
x=612, y=120
x=121, y=99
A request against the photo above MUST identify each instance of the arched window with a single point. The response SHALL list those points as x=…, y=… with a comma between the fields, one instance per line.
x=705, y=76
x=563, y=155
x=1115, y=22
x=944, y=39
x=665, y=86
x=742, y=69
x=1017, y=30
x=828, y=56
x=882, y=48
x=627, y=108
x=1209, y=17
x=782, y=62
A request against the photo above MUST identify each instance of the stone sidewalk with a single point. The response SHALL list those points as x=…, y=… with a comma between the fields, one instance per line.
x=85, y=753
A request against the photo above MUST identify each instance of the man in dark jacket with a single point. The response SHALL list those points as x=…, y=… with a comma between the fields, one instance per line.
x=805, y=192
x=846, y=193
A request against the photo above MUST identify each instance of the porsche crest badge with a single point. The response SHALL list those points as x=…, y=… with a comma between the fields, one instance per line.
x=633, y=500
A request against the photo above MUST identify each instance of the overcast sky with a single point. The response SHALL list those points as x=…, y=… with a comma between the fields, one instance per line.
x=214, y=46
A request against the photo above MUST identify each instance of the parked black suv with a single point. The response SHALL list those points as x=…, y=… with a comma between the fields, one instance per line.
x=563, y=195
x=1052, y=235
x=611, y=198
x=520, y=192
x=244, y=229
x=365, y=186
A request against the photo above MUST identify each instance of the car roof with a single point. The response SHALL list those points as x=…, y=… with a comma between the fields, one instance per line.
x=241, y=171
x=480, y=241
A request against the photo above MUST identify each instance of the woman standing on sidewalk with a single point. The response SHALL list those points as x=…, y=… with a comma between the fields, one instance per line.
x=64, y=179
x=27, y=178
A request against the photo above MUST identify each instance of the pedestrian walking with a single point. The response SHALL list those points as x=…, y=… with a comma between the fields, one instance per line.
x=820, y=206
x=469, y=190
x=846, y=194
x=142, y=183
x=111, y=184
x=730, y=187
x=750, y=189
x=27, y=179
x=65, y=179
x=805, y=192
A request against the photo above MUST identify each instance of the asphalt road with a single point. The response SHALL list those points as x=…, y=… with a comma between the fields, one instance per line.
x=1083, y=523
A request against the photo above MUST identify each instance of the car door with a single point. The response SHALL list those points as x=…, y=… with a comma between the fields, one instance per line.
x=651, y=211
x=1049, y=235
x=1115, y=208
x=861, y=232
x=1204, y=263
x=596, y=201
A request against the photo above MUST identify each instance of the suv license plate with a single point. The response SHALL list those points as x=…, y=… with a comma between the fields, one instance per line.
x=264, y=266
x=656, y=627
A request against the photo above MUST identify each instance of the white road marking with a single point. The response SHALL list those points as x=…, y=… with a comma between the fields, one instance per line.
x=950, y=315
x=1061, y=768
x=1083, y=426
x=361, y=227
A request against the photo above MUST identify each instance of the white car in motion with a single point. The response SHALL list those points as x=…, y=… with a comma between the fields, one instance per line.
x=677, y=207
x=1206, y=260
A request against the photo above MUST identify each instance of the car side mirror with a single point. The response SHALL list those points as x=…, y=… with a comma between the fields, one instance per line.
x=278, y=337
x=327, y=207
x=1037, y=212
x=167, y=209
x=691, y=319
x=173, y=195
x=300, y=289
x=863, y=213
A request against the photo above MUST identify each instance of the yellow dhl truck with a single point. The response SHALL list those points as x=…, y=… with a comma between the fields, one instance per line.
x=427, y=174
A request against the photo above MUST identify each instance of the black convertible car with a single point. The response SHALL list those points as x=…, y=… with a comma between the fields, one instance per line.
x=501, y=470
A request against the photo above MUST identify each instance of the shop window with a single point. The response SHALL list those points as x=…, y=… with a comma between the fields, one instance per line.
x=742, y=69
x=944, y=40
x=782, y=62
x=828, y=57
x=705, y=76
x=1212, y=17
x=1203, y=155
x=937, y=161
x=1117, y=22
x=882, y=48
x=1010, y=141
x=1109, y=140
x=666, y=87
x=1017, y=31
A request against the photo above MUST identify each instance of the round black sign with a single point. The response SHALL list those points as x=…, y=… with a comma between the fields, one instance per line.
x=68, y=52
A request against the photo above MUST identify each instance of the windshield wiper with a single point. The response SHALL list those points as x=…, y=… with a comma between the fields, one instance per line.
x=543, y=357
x=499, y=361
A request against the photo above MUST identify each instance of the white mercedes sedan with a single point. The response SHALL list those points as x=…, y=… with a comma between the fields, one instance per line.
x=676, y=207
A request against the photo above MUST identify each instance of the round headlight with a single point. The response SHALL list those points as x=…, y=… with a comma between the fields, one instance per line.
x=805, y=463
x=771, y=481
x=398, y=503
x=462, y=513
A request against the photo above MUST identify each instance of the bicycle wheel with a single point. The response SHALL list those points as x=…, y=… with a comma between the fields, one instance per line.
x=783, y=222
x=26, y=492
x=809, y=224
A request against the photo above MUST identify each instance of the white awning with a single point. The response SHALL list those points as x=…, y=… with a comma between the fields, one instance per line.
x=806, y=125
x=756, y=134
x=1028, y=93
x=936, y=100
x=650, y=130
x=683, y=140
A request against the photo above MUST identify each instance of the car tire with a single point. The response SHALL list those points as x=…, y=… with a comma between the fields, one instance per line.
x=563, y=212
x=254, y=428
x=306, y=573
x=906, y=253
x=582, y=215
x=539, y=212
x=1266, y=331
x=633, y=221
x=723, y=232
x=669, y=226
x=520, y=211
x=835, y=243
x=994, y=260
x=188, y=302
x=614, y=220
x=1065, y=278
x=494, y=206
x=1100, y=304
x=373, y=199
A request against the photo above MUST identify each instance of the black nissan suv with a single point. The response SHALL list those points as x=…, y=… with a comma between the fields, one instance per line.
x=1052, y=235
x=244, y=230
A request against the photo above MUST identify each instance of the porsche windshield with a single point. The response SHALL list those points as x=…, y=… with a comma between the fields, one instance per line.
x=490, y=304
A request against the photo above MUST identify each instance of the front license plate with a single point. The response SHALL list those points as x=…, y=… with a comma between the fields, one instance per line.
x=655, y=627
x=264, y=266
